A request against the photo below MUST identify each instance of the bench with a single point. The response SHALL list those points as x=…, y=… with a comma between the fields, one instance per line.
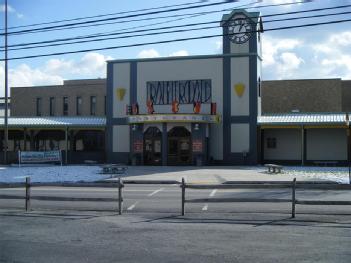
x=273, y=168
x=114, y=169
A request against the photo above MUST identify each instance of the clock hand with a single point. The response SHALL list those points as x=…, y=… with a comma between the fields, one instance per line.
x=241, y=26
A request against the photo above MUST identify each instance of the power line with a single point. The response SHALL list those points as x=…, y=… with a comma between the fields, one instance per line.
x=25, y=46
x=91, y=23
x=110, y=14
x=176, y=40
x=172, y=32
x=122, y=31
x=125, y=16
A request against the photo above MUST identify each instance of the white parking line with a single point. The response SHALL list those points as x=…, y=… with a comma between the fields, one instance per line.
x=155, y=192
x=132, y=206
x=213, y=192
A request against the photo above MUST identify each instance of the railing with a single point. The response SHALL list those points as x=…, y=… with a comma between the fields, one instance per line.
x=28, y=186
x=292, y=185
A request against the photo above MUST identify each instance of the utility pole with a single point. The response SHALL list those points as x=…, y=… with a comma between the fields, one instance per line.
x=348, y=144
x=6, y=133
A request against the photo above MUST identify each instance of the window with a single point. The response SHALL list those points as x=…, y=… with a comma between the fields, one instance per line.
x=259, y=87
x=271, y=143
x=65, y=106
x=52, y=106
x=93, y=105
x=39, y=106
x=79, y=105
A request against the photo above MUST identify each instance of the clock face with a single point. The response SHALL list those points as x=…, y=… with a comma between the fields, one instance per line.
x=240, y=30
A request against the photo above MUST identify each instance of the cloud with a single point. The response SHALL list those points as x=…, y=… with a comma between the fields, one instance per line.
x=10, y=9
x=23, y=75
x=285, y=1
x=273, y=48
x=332, y=55
x=91, y=64
x=219, y=45
x=148, y=53
x=287, y=65
x=180, y=53
x=54, y=71
x=152, y=53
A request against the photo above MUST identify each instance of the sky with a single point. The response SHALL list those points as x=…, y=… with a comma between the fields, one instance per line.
x=302, y=53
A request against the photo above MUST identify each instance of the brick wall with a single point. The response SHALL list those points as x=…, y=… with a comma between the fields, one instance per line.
x=24, y=98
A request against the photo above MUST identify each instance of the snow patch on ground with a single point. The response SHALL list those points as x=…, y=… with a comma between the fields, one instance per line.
x=51, y=174
x=336, y=174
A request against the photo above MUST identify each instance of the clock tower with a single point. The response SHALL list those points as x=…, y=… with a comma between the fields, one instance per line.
x=241, y=85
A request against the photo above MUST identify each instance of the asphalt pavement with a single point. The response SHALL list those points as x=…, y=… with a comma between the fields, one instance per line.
x=151, y=228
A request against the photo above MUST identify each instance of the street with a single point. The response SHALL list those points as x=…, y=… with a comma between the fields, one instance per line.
x=151, y=228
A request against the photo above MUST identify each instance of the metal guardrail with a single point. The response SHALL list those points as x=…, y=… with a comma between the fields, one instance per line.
x=293, y=185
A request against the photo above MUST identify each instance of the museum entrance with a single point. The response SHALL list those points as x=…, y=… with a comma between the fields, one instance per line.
x=179, y=146
x=152, y=146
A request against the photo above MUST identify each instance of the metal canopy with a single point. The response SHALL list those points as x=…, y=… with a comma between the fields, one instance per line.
x=55, y=122
x=303, y=119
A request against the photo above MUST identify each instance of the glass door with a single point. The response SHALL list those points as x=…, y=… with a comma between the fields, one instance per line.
x=152, y=146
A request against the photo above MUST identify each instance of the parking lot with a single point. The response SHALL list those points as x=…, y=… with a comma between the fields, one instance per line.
x=151, y=228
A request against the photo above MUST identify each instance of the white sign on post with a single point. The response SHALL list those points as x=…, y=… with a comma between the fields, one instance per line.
x=39, y=157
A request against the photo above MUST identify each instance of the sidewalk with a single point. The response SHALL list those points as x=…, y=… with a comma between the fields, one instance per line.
x=208, y=174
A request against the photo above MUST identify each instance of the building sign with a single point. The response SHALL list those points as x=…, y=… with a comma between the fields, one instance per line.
x=197, y=146
x=152, y=118
x=239, y=89
x=39, y=157
x=138, y=146
x=183, y=91
x=175, y=106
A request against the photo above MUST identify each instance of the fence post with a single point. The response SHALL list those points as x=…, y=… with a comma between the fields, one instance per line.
x=293, y=198
x=27, y=193
x=120, y=197
x=183, y=196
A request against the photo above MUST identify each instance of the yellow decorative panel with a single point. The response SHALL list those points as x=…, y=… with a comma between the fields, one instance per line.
x=239, y=89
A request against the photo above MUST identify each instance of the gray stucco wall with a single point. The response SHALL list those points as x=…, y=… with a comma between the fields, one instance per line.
x=320, y=95
x=288, y=145
x=326, y=144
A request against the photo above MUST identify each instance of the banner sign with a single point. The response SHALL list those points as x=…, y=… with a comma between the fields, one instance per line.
x=183, y=91
x=197, y=146
x=138, y=146
x=39, y=157
x=152, y=118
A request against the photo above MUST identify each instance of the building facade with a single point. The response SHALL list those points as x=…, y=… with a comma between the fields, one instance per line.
x=189, y=110
x=73, y=98
x=192, y=110
x=306, y=95
x=68, y=117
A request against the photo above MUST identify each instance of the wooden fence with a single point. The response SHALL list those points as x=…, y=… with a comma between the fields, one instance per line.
x=292, y=185
x=119, y=185
x=28, y=197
